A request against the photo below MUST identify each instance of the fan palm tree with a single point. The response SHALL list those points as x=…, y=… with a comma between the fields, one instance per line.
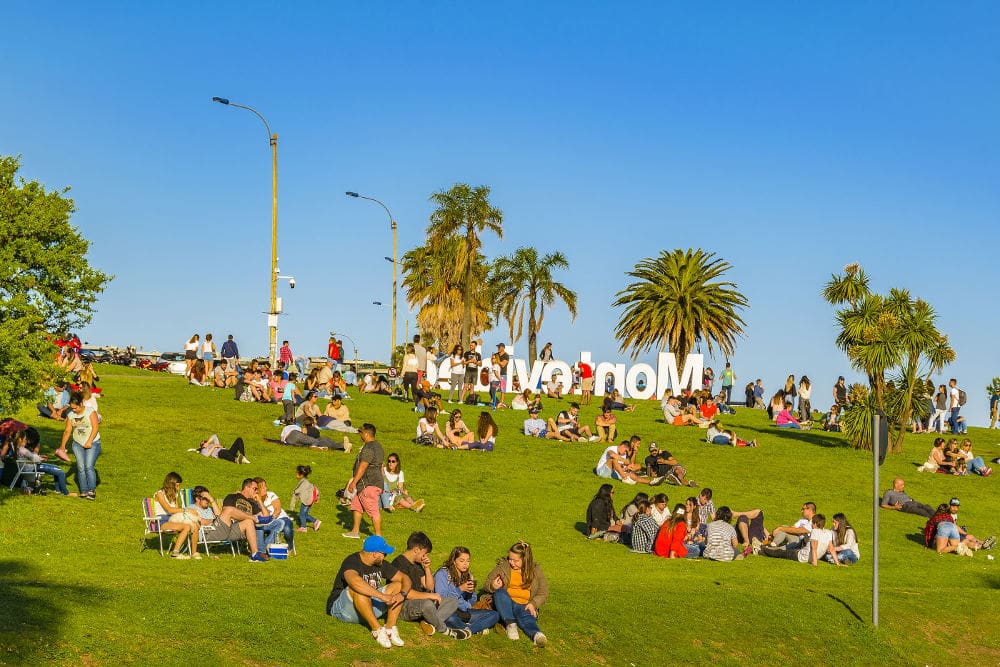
x=432, y=284
x=677, y=299
x=523, y=283
x=465, y=212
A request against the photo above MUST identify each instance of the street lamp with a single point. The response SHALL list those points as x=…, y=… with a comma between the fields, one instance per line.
x=334, y=334
x=272, y=315
x=395, y=266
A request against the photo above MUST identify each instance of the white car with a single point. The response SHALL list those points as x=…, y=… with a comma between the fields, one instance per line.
x=175, y=362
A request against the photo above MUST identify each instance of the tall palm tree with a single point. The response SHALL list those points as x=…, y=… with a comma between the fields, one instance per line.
x=523, y=282
x=678, y=298
x=466, y=212
x=433, y=285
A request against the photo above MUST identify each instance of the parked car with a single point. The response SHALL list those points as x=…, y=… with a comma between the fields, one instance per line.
x=174, y=362
x=95, y=356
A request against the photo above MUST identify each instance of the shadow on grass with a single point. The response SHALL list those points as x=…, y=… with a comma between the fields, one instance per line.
x=812, y=437
x=917, y=537
x=34, y=610
x=845, y=605
x=581, y=527
x=992, y=581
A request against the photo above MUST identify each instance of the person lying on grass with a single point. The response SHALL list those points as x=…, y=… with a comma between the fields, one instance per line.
x=213, y=449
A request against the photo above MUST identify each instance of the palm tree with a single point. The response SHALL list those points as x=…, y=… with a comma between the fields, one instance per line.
x=677, y=300
x=432, y=285
x=464, y=211
x=523, y=282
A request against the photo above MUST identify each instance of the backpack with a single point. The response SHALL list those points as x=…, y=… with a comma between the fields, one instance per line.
x=315, y=496
x=472, y=399
x=484, y=376
x=961, y=397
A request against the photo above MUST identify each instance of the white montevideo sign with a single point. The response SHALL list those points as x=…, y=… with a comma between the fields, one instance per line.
x=640, y=381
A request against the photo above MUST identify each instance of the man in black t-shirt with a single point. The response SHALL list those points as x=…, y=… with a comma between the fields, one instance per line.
x=423, y=604
x=366, y=588
x=472, y=361
x=243, y=508
x=661, y=463
x=503, y=360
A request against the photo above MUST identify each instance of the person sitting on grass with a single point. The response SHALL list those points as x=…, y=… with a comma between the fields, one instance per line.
x=486, y=434
x=601, y=516
x=670, y=539
x=644, y=529
x=368, y=587
x=952, y=536
x=831, y=422
x=776, y=404
x=720, y=538
x=336, y=417
x=615, y=463
x=694, y=540
x=936, y=459
x=526, y=401
x=211, y=448
x=845, y=542
x=56, y=401
x=309, y=407
x=613, y=401
x=786, y=420
x=554, y=387
x=424, y=398
x=820, y=541
x=975, y=464
x=674, y=414
x=428, y=431
x=718, y=436
x=519, y=590
x=662, y=464
x=792, y=542
x=423, y=603
x=454, y=579
x=607, y=431
x=567, y=424
x=395, y=493
x=456, y=432
x=199, y=376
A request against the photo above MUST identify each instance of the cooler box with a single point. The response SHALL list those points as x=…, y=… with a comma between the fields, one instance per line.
x=278, y=551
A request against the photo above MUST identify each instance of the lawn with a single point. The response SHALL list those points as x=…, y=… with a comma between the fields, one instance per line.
x=76, y=589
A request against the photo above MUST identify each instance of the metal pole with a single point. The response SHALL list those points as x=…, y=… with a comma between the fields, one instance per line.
x=876, y=439
x=395, y=264
x=273, y=319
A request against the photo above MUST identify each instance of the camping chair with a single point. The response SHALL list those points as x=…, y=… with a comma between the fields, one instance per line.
x=152, y=525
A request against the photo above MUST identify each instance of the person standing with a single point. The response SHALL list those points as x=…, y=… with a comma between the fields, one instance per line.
x=82, y=426
x=231, y=353
x=840, y=393
x=421, y=353
x=954, y=403
x=208, y=353
x=333, y=353
x=367, y=483
x=190, y=354
x=940, y=410
x=285, y=355
x=457, y=372
x=805, y=406
x=728, y=378
x=472, y=361
x=994, y=400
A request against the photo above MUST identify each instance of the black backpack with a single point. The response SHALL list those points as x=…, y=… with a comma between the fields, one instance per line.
x=961, y=397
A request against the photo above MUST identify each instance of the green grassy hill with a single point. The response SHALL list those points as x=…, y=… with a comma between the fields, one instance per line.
x=76, y=589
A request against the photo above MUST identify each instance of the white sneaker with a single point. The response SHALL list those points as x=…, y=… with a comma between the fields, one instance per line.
x=594, y=438
x=394, y=637
x=540, y=640
x=512, y=632
x=382, y=637
x=628, y=480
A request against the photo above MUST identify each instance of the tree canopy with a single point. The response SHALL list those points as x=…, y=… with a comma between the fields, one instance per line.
x=47, y=286
x=678, y=299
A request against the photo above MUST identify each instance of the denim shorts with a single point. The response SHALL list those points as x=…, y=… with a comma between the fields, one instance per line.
x=949, y=530
x=343, y=607
x=606, y=473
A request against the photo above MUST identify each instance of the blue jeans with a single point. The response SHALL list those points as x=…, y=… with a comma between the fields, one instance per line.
x=266, y=535
x=481, y=619
x=57, y=475
x=86, y=477
x=788, y=425
x=953, y=419
x=512, y=612
x=304, y=516
x=847, y=557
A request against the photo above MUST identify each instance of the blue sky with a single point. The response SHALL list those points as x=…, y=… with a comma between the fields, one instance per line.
x=790, y=140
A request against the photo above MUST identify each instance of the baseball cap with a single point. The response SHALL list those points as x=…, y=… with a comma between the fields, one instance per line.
x=377, y=544
x=840, y=378
x=533, y=411
x=500, y=345
x=955, y=502
x=653, y=446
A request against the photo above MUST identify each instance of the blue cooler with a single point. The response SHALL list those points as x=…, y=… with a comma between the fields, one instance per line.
x=278, y=551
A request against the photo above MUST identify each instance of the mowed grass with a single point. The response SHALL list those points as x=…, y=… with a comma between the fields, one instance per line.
x=75, y=588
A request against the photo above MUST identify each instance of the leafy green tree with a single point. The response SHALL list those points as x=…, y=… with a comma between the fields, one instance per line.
x=522, y=283
x=46, y=284
x=678, y=298
x=432, y=283
x=895, y=341
x=465, y=212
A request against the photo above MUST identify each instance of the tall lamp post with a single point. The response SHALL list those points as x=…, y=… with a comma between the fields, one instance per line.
x=272, y=314
x=395, y=266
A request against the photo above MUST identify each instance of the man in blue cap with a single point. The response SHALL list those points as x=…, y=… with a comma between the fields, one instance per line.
x=367, y=587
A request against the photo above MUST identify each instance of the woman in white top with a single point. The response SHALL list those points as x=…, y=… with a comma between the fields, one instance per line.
x=486, y=434
x=660, y=510
x=208, y=353
x=410, y=368
x=845, y=541
x=82, y=425
x=805, y=391
x=280, y=521
x=457, y=371
x=428, y=430
x=173, y=518
x=190, y=353
x=395, y=493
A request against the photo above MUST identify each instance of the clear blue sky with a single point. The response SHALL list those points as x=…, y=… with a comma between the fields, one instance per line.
x=789, y=139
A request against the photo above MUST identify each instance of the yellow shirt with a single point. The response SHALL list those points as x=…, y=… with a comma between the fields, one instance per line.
x=519, y=593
